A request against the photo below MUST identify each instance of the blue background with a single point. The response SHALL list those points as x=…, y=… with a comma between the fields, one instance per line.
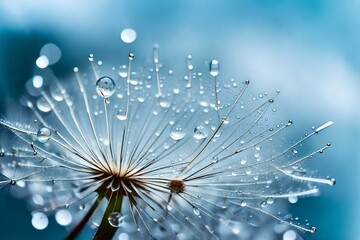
x=308, y=49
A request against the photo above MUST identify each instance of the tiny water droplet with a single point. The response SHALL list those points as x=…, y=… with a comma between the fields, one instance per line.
x=91, y=57
x=169, y=208
x=81, y=207
x=214, y=68
x=131, y=56
x=164, y=102
x=200, y=132
x=116, y=219
x=43, y=135
x=177, y=132
x=105, y=86
x=121, y=115
x=196, y=211
x=123, y=72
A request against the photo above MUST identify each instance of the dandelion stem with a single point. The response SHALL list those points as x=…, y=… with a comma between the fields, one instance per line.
x=105, y=230
x=76, y=231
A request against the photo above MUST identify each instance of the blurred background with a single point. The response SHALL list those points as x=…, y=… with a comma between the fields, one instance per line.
x=308, y=49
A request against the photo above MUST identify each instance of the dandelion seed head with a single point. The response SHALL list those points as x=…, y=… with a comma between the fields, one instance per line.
x=143, y=152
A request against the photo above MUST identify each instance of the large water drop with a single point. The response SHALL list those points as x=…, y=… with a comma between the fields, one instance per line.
x=177, y=132
x=116, y=219
x=43, y=135
x=39, y=221
x=105, y=86
x=214, y=68
x=200, y=132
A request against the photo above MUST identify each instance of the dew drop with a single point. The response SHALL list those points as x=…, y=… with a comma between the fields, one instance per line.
x=91, y=57
x=63, y=217
x=37, y=81
x=131, y=56
x=177, y=132
x=270, y=200
x=164, y=103
x=115, y=185
x=42, y=62
x=293, y=199
x=105, y=86
x=123, y=71
x=169, y=208
x=39, y=220
x=200, y=132
x=116, y=219
x=121, y=115
x=43, y=105
x=81, y=207
x=289, y=235
x=43, y=135
x=214, y=68
x=128, y=35
x=196, y=211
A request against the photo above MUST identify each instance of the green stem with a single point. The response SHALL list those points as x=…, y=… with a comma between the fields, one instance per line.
x=105, y=230
x=75, y=232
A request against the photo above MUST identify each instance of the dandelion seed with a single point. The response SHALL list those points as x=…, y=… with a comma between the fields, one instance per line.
x=158, y=159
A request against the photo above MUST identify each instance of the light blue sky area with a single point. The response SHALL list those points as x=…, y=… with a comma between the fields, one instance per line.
x=308, y=49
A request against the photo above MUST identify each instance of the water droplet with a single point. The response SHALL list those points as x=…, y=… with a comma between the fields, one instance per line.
x=131, y=56
x=293, y=199
x=169, y=207
x=270, y=200
x=91, y=57
x=63, y=217
x=12, y=182
x=164, y=102
x=37, y=81
x=81, y=207
x=263, y=204
x=200, y=132
x=43, y=135
x=105, y=86
x=128, y=35
x=243, y=203
x=214, y=68
x=115, y=185
x=243, y=161
x=247, y=82
x=43, y=105
x=177, y=132
x=42, y=62
x=123, y=72
x=289, y=235
x=313, y=229
x=333, y=181
x=116, y=219
x=196, y=211
x=39, y=220
x=121, y=115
